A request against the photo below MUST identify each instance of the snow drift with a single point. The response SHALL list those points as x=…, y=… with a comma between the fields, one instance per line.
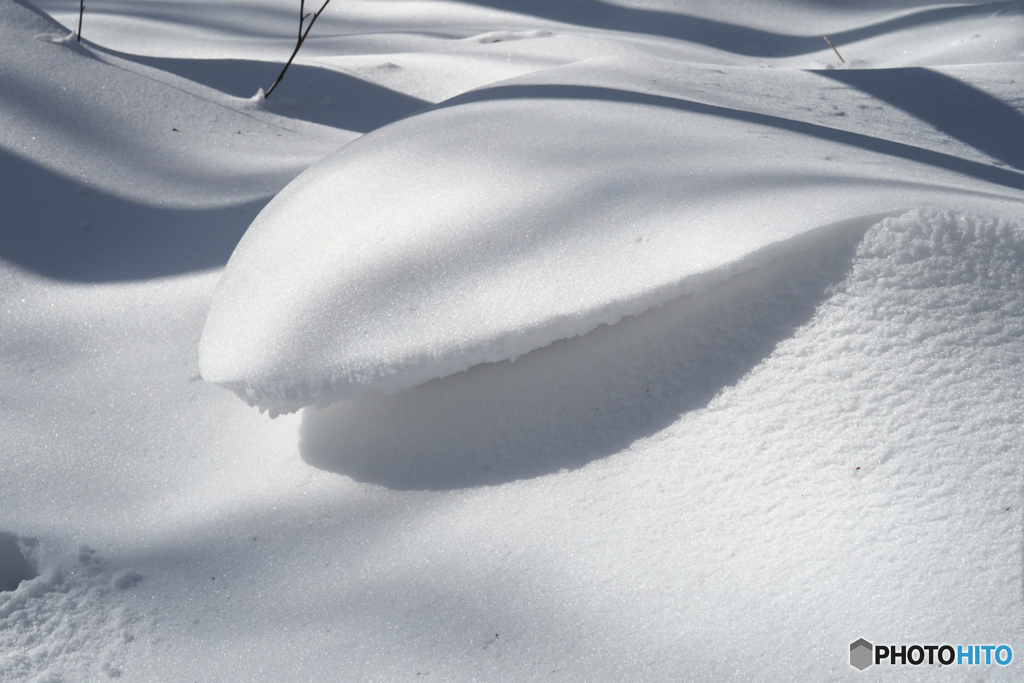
x=822, y=448
x=539, y=208
x=930, y=295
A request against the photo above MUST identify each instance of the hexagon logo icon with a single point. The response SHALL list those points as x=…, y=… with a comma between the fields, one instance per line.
x=860, y=654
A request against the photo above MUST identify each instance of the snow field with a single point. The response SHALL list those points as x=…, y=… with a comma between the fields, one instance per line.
x=804, y=433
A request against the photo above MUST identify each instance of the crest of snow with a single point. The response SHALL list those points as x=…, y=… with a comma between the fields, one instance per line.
x=532, y=211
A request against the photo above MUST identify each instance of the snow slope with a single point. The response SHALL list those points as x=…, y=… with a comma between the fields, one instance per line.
x=813, y=438
x=195, y=165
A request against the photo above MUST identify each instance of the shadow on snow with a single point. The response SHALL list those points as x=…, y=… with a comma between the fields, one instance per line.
x=577, y=400
x=310, y=93
x=963, y=112
x=66, y=230
x=974, y=169
x=733, y=38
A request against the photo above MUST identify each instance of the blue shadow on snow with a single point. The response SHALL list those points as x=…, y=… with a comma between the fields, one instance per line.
x=579, y=399
x=987, y=172
x=66, y=230
x=950, y=106
x=314, y=94
x=729, y=37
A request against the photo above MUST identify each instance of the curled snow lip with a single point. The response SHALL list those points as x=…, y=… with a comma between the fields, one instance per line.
x=577, y=400
x=952, y=275
x=283, y=396
x=525, y=213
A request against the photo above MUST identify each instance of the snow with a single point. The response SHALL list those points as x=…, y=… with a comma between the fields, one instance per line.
x=74, y=621
x=787, y=418
x=14, y=568
x=585, y=191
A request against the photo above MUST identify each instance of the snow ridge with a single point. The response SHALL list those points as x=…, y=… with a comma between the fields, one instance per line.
x=498, y=223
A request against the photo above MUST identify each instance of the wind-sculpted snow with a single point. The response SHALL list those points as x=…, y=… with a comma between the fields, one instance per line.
x=822, y=448
x=929, y=299
x=539, y=208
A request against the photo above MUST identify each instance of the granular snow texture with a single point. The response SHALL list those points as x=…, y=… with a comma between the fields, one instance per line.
x=804, y=428
x=544, y=207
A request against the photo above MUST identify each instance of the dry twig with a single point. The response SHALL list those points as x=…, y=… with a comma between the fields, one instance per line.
x=302, y=37
x=834, y=48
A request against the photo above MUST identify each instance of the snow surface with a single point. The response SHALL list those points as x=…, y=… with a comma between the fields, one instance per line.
x=803, y=429
x=543, y=207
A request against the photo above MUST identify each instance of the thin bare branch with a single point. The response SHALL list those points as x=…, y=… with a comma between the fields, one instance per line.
x=302, y=37
x=81, y=11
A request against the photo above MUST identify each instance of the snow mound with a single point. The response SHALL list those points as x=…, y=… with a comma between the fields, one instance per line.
x=537, y=209
x=917, y=295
